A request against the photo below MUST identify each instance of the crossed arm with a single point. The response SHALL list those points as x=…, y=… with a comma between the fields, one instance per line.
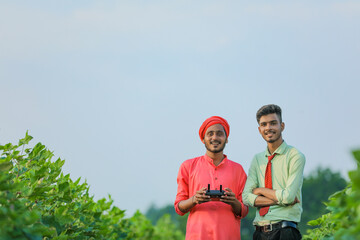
x=267, y=197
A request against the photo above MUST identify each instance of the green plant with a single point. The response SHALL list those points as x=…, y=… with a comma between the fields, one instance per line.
x=343, y=220
x=37, y=201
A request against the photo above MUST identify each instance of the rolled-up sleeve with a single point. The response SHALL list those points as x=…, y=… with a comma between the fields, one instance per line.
x=251, y=183
x=287, y=195
x=183, y=187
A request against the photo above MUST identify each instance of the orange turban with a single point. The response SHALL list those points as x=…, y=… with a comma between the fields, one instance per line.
x=212, y=121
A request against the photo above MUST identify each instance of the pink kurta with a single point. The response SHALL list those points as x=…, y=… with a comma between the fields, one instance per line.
x=213, y=220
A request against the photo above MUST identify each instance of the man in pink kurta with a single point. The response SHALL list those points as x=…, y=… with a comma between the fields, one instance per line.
x=209, y=218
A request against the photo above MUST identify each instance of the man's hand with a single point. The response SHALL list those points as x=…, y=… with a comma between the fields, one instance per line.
x=295, y=201
x=266, y=197
x=230, y=198
x=200, y=196
x=257, y=191
x=266, y=192
x=191, y=202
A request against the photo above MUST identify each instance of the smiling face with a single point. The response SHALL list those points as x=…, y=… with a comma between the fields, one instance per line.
x=215, y=138
x=271, y=128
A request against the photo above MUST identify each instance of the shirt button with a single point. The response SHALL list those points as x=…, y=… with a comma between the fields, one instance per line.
x=216, y=178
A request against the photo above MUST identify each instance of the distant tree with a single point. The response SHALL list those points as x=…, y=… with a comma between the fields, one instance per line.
x=154, y=214
x=247, y=228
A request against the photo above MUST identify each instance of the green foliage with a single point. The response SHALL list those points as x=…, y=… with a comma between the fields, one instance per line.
x=314, y=194
x=37, y=201
x=164, y=229
x=247, y=227
x=155, y=214
x=343, y=220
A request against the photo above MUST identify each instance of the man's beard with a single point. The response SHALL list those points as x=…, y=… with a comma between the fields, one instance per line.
x=220, y=149
x=274, y=140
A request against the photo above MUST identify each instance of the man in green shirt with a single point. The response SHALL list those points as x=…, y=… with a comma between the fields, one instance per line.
x=274, y=181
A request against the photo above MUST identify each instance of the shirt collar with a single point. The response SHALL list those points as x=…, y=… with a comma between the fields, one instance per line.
x=280, y=150
x=210, y=160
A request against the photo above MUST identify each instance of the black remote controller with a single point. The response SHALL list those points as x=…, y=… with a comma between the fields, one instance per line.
x=215, y=193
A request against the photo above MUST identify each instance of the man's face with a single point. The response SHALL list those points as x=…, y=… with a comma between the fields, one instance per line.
x=215, y=138
x=270, y=128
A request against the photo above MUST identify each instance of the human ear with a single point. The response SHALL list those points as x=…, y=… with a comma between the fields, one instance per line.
x=282, y=126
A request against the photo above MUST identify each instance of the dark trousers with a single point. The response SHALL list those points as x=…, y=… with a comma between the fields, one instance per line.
x=287, y=233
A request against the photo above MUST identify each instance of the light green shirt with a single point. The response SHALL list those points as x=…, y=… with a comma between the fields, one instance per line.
x=287, y=178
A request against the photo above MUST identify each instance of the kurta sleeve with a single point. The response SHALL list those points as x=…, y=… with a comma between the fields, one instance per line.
x=183, y=187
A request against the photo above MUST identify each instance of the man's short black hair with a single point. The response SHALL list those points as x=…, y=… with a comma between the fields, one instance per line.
x=268, y=109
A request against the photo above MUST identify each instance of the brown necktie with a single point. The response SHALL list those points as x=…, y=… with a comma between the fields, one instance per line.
x=268, y=183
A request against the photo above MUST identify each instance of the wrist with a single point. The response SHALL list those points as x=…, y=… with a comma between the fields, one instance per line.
x=236, y=206
x=182, y=210
x=193, y=200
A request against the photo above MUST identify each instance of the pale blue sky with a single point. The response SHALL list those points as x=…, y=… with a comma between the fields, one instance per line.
x=119, y=89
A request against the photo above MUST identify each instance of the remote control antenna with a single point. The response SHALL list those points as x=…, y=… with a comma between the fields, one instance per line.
x=220, y=188
x=209, y=187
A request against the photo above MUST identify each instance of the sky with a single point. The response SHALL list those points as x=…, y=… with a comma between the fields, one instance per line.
x=119, y=89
